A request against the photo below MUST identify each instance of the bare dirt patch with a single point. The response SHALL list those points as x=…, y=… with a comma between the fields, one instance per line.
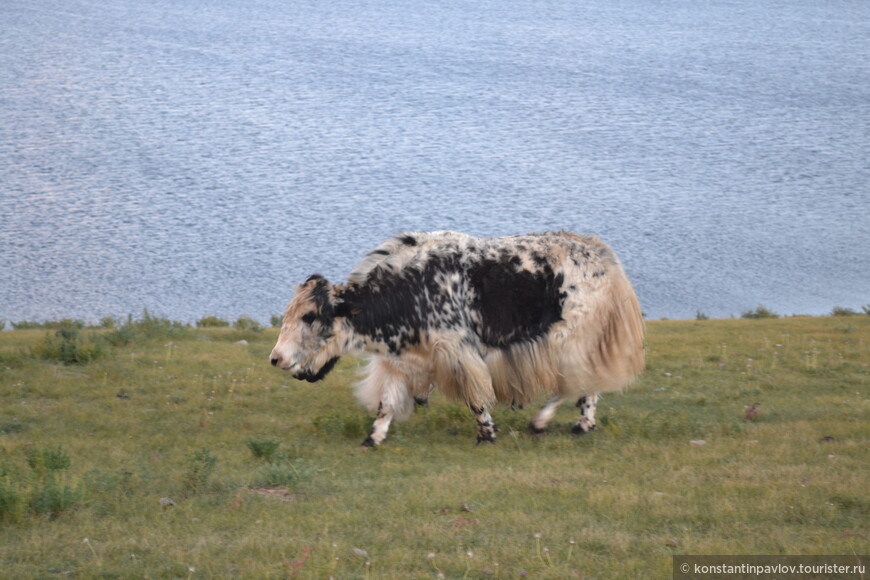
x=281, y=493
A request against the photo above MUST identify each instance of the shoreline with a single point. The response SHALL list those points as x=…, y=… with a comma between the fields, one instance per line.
x=206, y=321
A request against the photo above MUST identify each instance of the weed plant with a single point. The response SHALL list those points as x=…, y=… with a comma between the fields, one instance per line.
x=202, y=465
x=759, y=312
x=49, y=325
x=184, y=454
x=284, y=471
x=246, y=324
x=211, y=322
x=44, y=490
x=264, y=448
x=67, y=345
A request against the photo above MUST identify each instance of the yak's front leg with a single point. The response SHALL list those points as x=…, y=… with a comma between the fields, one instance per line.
x=586, y=422
x=385, y=389
x=460, y=371
x=380, y=426
x=486, y=429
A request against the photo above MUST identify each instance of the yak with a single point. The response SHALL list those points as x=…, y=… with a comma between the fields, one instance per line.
x=483, y=320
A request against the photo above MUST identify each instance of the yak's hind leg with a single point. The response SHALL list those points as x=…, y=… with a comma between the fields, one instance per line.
x=543, y=417
x=586, y=422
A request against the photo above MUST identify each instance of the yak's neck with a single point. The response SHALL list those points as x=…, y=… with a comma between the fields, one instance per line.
x=384, y=318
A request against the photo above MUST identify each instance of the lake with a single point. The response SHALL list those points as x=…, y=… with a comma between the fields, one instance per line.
x=199, y=157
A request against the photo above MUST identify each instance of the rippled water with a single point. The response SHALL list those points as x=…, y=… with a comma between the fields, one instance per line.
x=199, y=157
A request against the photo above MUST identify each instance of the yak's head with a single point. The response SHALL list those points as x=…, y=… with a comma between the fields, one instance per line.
x=311, y=338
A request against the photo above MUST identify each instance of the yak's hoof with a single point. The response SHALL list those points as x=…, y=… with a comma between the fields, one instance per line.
x=536, y=430
x=488, y=438
x=369, y=442
x=421, y=402
x=579, y=430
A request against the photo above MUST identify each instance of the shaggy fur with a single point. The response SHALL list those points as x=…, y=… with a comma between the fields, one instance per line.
x=486, y=321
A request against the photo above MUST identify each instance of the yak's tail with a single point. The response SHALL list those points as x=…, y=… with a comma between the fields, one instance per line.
x=604, y=351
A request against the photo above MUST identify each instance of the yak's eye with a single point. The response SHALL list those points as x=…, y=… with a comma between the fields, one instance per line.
x=309, y=317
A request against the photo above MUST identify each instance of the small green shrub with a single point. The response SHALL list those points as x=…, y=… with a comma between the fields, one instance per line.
x=759, y=312
x=211, y=322
x=453, y=419
x=146, y=328
x=701, y=316
x=284, y=473
x=202, y=466
x=508, y=420
x=351, y=426
x=156, y=327
x=120, y=336
x=27, y=325
x=14, y=358
x=843, y=311
x=11, y=501
x=10, y=428
x=68, y=346
x=52, y=497
x=245, y=329
x=852, y=505
x=45, y=491
x=48, y=459
x=276, y=320
x=49, y=324
x=245, y=324
x=108, y=323
x=263, y=448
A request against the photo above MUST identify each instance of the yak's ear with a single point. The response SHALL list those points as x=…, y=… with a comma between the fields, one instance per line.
x=318, y=280
x=321, y=293
x=315, y=281
x=345, y=309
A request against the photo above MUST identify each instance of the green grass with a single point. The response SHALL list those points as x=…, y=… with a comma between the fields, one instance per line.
x=188, y=456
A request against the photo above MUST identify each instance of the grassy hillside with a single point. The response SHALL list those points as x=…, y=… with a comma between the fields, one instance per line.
x=179, y=453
